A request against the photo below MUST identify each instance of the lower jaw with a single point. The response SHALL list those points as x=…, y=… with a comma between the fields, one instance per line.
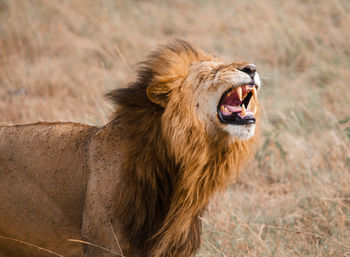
x=235, y=119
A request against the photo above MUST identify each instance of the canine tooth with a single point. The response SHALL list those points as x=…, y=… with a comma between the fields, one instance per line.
x=255, y=109
x=243, y=110
x=239, y=93
x=254, y=94
x=229, y=93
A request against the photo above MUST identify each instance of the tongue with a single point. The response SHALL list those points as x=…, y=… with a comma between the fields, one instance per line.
x=236, y=110
x=233, y=108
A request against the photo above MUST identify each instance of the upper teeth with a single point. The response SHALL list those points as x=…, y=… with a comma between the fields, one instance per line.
x=254, y=94
x=239, y=93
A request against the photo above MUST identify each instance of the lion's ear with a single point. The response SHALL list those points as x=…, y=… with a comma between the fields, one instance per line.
x=158, y=94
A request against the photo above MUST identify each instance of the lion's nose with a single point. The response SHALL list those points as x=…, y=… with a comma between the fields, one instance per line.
x=250, y=69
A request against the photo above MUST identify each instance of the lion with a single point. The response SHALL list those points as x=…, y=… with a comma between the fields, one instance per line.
x=138, y=185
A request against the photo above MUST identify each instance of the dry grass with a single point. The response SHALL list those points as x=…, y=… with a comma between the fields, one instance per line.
x=58, y=59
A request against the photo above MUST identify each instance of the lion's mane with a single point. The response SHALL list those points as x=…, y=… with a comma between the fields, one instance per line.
x=171, y=167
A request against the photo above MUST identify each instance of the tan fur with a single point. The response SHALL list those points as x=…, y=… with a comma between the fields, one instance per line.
x=148, y=175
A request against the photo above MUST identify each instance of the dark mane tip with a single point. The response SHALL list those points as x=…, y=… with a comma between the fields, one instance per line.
x=159, y=63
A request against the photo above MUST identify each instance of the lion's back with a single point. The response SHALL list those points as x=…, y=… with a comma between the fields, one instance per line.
x=43, y=178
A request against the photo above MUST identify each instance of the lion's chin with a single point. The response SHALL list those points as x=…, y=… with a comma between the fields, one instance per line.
x=242, y=132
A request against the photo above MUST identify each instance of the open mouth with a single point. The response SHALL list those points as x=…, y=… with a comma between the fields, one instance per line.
x=238, y=106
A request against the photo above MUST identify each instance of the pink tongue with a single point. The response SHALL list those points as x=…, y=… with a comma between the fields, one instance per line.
x=233, y=108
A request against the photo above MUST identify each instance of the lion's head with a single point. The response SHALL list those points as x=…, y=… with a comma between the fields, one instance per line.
x=220, y=97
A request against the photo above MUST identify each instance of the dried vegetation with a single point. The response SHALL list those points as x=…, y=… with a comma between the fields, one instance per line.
x=58, y=59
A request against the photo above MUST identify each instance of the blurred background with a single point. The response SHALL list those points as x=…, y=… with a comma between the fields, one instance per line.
x=59, y=58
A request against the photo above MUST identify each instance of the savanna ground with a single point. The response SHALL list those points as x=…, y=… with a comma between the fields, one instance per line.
x=58, y=59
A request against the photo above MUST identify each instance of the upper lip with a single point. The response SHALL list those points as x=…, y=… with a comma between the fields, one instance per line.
x=251, y=83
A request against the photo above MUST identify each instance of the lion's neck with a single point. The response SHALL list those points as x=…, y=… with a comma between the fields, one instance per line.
x=159, y=201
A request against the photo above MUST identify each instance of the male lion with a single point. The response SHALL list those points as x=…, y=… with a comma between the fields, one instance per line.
x=182, y=131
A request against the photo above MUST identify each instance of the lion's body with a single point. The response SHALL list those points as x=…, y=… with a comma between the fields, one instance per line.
x=144, y=178
x=43, y=179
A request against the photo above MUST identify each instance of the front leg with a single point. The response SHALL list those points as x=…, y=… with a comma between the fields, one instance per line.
x=99, y=226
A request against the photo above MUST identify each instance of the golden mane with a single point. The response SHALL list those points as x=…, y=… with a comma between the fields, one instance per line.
x=171, y=169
